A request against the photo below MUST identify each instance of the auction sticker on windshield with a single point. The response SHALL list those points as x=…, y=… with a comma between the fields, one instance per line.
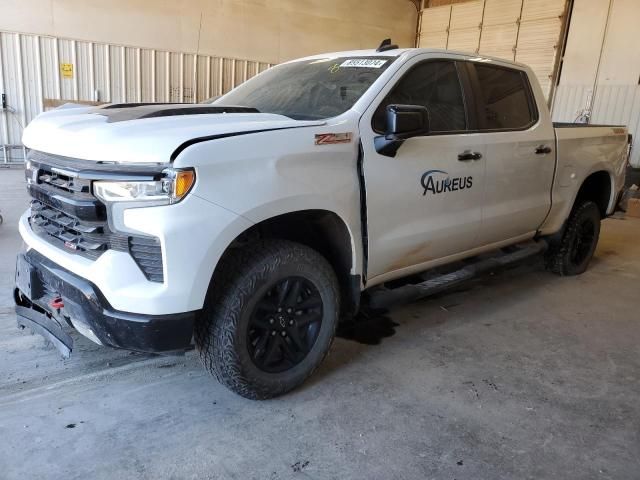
x=363, y=63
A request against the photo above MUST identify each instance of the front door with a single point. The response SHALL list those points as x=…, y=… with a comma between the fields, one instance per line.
x=426, y=202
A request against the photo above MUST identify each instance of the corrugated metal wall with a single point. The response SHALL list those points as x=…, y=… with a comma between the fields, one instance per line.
x=612, y=105
x=31, y=72
x=600, y=82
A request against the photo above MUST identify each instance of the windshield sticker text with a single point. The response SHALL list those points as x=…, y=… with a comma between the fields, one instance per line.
x=438, y=181
x=363, y=63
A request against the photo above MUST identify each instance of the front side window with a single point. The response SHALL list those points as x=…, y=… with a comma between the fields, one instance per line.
x=504, y=99
x=431, y=84
x=309, y=89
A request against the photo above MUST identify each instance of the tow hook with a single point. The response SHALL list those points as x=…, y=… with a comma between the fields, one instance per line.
x=57, y=303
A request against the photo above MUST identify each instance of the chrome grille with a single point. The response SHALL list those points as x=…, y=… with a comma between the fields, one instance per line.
x=89, y=239
x=66, y=182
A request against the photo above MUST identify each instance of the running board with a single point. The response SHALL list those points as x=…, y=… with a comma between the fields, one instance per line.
x=386, y=297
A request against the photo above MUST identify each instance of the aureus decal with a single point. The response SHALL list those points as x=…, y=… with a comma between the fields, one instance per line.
x=439, y=181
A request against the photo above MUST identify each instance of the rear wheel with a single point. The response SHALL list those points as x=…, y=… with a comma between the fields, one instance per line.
x=572, y=254
x=270, y=322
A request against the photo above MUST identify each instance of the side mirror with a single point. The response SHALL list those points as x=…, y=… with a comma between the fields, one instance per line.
x=403, y=122
x=406, y=121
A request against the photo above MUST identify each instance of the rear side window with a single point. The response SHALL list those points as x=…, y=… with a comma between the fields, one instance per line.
x=505, y=100
x=431, y=84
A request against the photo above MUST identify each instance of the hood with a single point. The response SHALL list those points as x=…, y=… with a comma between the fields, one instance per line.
x=142, y=133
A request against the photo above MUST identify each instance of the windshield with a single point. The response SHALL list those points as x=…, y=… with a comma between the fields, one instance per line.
x=310, y=89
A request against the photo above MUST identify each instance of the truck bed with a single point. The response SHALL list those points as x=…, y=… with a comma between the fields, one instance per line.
x=581, y=151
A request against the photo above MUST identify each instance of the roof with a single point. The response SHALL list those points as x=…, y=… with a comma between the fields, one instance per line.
x=410, y=51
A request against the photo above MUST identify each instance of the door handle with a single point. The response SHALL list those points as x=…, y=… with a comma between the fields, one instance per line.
x=543, y=150
x=469, y=155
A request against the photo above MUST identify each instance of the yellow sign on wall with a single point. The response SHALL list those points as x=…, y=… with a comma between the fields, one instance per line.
x=66, y=69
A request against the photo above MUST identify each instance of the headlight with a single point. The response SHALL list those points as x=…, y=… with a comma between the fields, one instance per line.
x=171, y=188
x=30, y=172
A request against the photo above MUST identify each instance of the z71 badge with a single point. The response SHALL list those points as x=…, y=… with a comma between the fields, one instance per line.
x=438, y=181
x=332, y=138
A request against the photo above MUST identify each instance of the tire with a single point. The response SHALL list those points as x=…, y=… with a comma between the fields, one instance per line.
x=242, y=337
x=573, y=252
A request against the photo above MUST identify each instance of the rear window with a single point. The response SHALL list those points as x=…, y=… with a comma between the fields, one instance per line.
x=505, y=99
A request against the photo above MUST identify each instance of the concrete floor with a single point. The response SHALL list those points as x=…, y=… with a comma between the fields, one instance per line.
x=520, y=375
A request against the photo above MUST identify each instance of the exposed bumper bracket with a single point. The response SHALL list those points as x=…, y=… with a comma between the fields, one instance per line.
x=48, y=298
x=44, y=325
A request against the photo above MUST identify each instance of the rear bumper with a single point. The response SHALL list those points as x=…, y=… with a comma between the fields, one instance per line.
x=50, y=299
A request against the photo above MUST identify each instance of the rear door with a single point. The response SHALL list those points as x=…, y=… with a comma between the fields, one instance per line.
x=520, y=156
x=426, y=202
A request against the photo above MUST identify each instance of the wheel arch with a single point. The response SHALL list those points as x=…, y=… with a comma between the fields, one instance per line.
x=598, y=187
x=324, y=231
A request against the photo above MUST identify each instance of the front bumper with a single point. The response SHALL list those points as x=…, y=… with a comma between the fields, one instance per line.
x=50, y=299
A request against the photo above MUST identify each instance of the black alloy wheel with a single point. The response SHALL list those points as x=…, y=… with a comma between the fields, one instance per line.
x=571, y=253
x=583, y=241
x=284, y=325
x=269, y=318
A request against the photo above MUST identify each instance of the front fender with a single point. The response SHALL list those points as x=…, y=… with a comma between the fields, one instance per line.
x=268, y=174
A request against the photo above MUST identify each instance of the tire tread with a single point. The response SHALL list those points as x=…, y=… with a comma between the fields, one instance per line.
x=236, y=280
x=556, y=256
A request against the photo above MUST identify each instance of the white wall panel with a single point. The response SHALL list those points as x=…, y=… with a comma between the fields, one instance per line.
x=163, y=81
x=49, y=67
x=30, y=74
x=264, y=30
x=13, y=86
x=465, y=25
x=83, y=70
x=434, y=40
x=538, y=43
x=542, y=9
x=187, y=79
x=500, y=26
x=203, y=78
x=612, y=105
x=570, y=101
x=601, y=67
x=66, y=55
x=466, y=15
x=501, y=12
x=434, y=27
x=499, y=40
x=31, y=78
x=464, y=40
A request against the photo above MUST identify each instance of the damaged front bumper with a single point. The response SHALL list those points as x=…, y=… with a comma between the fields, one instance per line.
x=50, y=299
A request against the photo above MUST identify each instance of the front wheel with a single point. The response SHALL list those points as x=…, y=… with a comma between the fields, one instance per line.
x=572, y=254
x=270, y=322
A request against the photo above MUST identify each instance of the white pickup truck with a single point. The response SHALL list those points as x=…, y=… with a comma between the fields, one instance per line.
x=251, y=224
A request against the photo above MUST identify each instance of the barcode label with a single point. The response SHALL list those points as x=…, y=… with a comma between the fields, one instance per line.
x=363, y=63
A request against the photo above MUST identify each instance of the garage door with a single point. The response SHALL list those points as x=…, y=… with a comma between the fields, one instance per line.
x=539, y=37
x=527, y=31
x=434, y=27
x=465, y=26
